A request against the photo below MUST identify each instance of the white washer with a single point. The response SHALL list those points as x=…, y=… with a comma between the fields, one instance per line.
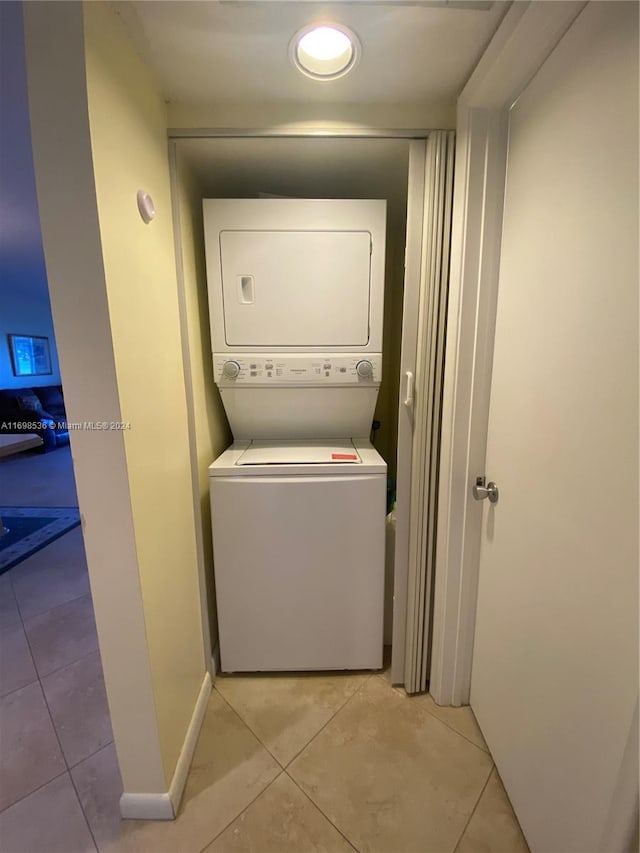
x=299, y=554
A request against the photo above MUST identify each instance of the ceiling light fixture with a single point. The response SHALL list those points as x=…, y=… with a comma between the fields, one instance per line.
x=325, y=52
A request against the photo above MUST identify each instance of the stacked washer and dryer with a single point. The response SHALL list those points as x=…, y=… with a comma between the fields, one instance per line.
x=298, y=502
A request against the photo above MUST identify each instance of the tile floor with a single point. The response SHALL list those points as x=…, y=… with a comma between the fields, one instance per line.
x=284, y=764
x=53, y=707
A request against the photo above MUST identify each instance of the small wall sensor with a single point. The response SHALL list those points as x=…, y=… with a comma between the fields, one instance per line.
x=146, y=206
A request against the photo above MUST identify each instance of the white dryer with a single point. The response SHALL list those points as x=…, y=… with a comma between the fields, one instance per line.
x=296, y=289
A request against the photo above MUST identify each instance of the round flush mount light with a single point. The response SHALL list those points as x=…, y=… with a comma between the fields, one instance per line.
x=325, y=52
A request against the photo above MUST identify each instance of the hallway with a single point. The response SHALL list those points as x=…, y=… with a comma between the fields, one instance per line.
x=326, y=762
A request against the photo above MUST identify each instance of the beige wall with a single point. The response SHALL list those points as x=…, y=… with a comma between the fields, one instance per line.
x=210, y=428
x=435, y=116
x=128, y=138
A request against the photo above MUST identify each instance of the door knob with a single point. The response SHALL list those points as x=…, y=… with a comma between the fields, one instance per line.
x=482, y=491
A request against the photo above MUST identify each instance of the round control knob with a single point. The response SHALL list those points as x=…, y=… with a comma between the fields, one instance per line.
x=230, y=369
x=364, y=369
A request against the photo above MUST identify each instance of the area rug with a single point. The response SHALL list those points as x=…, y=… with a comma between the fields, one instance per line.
x=30, y=528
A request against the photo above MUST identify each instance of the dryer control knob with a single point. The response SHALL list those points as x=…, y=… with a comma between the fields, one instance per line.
x=230, y=369
x=364, y=369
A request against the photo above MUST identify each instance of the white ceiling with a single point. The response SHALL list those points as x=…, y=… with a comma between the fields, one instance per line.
x=212, y=52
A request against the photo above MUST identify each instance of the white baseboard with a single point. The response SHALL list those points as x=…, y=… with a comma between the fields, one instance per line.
x=165, y=806
x=176, y=788
x=146, y=807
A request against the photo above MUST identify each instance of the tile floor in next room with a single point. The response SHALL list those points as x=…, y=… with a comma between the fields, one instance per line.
x=284, y=764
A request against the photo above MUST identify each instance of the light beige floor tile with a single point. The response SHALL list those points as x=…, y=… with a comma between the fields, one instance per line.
x=62, y=635
x=30, y=754
x=52, y=576
x=9, y=614
x=16, y=664
x=493, y=827
x=48, y=821
x=230, y=769
x=391, y=776
x=281, y=820
x=460, y=719
x=78, y=703
x=285, y=712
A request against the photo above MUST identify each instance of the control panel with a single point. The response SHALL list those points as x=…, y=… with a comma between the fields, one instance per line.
x=278, y=369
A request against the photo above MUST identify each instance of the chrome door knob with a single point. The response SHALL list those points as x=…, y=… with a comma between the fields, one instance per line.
x=482, y=491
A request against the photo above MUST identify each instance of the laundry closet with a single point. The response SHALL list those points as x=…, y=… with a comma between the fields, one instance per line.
x=299, y=168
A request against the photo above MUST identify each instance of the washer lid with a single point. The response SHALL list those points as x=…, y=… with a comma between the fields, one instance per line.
x=296, y=453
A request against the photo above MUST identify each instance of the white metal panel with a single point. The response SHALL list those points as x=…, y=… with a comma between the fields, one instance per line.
x=282, y=215
x=296, y=288
x=275, y=369
x=300, y=413
x=555, y=666
x=299, y=566
x=295, y=453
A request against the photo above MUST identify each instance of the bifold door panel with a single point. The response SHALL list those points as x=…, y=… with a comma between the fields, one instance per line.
x=296, y=288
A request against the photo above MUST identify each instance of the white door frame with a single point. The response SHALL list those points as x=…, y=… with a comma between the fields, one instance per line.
x=528, y=34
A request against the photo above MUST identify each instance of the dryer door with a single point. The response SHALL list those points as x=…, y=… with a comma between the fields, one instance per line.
x=296, y=288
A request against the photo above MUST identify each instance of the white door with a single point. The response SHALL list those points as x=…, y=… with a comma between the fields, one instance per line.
x=296, y=288
x=555, y=667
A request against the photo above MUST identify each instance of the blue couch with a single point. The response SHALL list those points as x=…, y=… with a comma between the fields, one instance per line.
x=37, y=410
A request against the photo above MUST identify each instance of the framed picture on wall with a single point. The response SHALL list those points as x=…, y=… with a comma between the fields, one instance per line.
x=30, y=355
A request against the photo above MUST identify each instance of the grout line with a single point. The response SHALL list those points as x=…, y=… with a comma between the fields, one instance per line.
x=55, y=730
x=444, y=722
x=246, y=724
x=41, y=613
x=46, y=701
x=24, y=630
x=46, y=704
x=43, y=785
x=255, y=734
x=22, y=687
x=335, y=713
x=91, y=755
x=242, y=811
x=58, y=606
x=84, y=814
x=69, y=663
x=326, y=817
x=473, y=810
